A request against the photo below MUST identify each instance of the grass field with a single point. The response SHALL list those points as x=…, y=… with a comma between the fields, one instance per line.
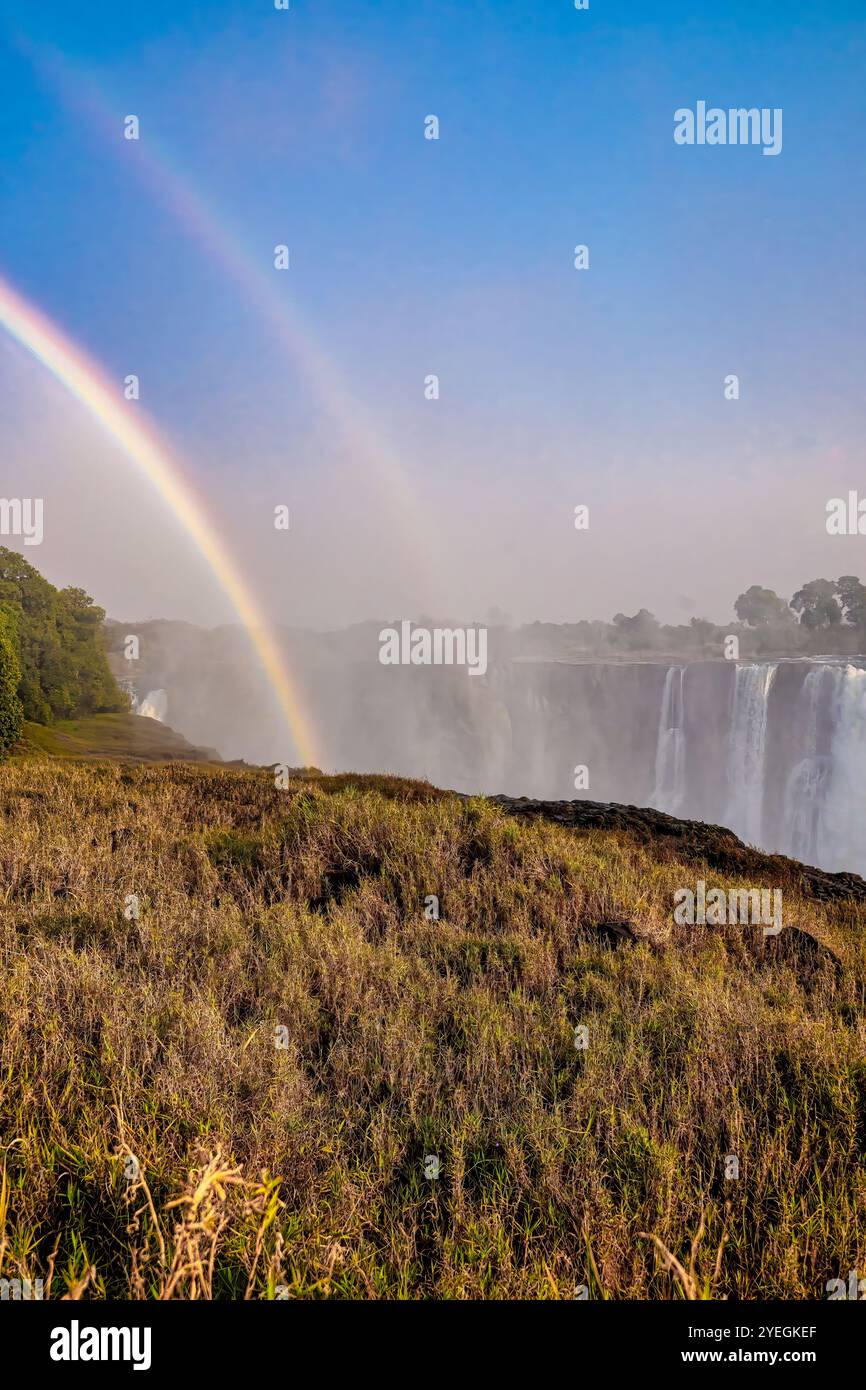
x=125, y=736
x=247, y=1088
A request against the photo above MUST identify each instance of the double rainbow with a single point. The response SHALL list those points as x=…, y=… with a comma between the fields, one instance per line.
x=264, y=291
x=127, y=426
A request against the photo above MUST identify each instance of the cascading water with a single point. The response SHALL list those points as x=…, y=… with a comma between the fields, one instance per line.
x=775, y=750
x=154, y=706
x=669, y=790
x=748, y=736
x=841, y=835
x=808, y=782
x=128, y=688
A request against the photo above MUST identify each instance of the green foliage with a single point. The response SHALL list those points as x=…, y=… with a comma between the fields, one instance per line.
x=759, y=607
x=817, y=605
x=852, y=596
x=767, y=625
x=63, y=665
x=11, y=710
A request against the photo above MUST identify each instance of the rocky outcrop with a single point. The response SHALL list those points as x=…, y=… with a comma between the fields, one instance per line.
x=708, y=846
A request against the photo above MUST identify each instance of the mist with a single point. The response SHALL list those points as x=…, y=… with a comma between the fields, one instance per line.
x=481, y=388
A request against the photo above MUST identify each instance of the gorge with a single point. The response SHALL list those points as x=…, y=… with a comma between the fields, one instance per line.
x=775, y=750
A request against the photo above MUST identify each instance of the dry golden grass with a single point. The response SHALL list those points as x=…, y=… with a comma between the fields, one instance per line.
x=156, y=1142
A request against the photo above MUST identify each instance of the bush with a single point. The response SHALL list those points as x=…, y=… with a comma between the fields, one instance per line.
x=11, y=709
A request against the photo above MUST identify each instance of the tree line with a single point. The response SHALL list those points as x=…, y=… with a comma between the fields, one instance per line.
x=767, y=624
x=53, y=662
x=820, y=606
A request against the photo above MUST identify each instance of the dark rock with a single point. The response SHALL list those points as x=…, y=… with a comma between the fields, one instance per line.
x=710, y=846
x=806, y=956
x=616, y=934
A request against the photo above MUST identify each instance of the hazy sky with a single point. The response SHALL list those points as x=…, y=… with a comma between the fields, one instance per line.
x=455, y=257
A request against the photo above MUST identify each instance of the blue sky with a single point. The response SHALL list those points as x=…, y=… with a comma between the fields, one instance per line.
x=455, y=257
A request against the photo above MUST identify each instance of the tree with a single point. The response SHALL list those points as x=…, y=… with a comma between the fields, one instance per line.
x=63, y=663
x=11, y=709
x=852, y=597
x=702, y=633
x=816, y=605
x=89, y=684
x=760, y=607
x=639, y=631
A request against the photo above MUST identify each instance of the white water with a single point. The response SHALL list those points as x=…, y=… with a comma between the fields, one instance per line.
x=154, y=706
x=670, y=776
x=803, y=793
x=841, y=832
x=746, y=749
x=807, y=784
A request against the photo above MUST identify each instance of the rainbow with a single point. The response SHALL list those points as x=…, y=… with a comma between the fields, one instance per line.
x=128, y=427
x=266, y=292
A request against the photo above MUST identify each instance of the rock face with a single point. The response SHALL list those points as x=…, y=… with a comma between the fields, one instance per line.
x=616, y=934
x=807, y=957
x=774, y=749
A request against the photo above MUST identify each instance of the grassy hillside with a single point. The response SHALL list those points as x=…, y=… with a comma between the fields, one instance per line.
x=243, y=1089
x=97, y=736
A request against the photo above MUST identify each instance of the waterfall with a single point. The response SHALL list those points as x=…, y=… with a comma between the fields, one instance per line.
x=807, y=784
x=841, y=834
x=128, y=688
x=746, y=748
x=154, y=705
x=670, y=775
